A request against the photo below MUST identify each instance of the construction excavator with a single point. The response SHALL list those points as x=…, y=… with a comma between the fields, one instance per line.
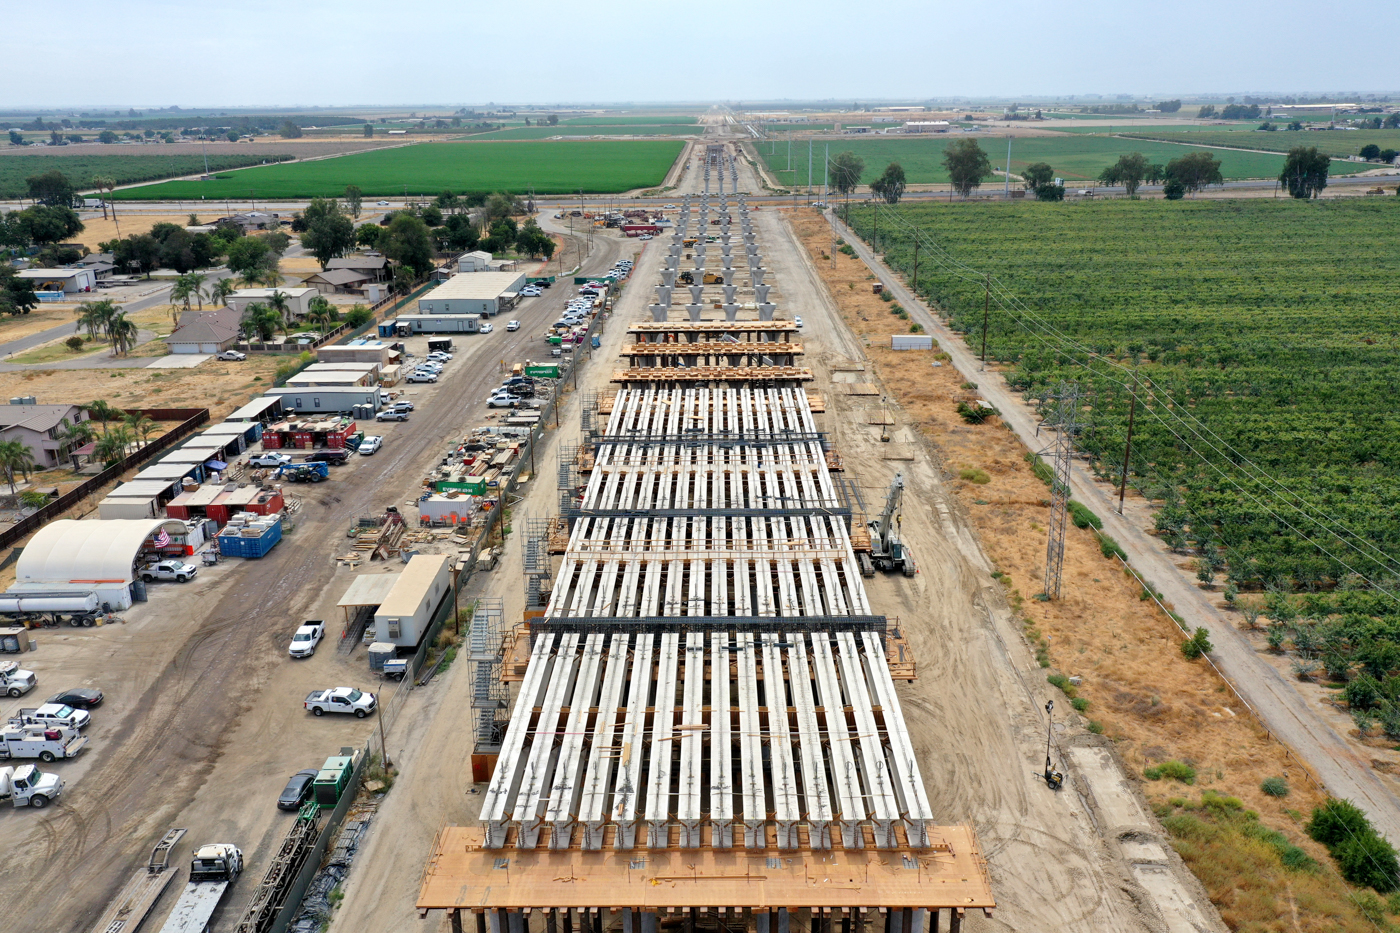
x=887, y=551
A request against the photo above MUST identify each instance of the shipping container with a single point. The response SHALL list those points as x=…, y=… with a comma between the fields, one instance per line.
x=911, y=342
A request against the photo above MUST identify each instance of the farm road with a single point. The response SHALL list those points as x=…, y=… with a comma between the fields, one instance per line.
x=1285, y=712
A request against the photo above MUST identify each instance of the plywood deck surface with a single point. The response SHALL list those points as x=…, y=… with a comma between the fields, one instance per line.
x=462, y=874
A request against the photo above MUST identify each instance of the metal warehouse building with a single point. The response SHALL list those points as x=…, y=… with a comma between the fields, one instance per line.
x=473, y=293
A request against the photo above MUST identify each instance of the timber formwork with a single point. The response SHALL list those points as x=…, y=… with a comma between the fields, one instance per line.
x=705, y=725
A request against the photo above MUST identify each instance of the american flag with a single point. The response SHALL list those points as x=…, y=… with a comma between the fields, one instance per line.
x=162, y=539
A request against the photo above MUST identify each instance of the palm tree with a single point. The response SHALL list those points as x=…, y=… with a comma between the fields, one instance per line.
x=94, y=316
x=259, y=319
x=103, y=412
x=122, y=333
x=102, y=183
x=221, y=290
x=187, y=287
x=322, y=312
x=15, y=455
x=112, y=446
x=73, y=437
x=278, y=303
x=139, y=423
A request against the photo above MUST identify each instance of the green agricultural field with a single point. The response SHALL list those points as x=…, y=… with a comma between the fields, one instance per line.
x=622, y=121
x=14, y=169
x=546, y=132
x=429, y=168
x=1074, y=157
x=1332, y=142
x=1268, y=338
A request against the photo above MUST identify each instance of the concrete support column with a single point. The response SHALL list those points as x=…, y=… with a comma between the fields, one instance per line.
x=782, y=920
x=696, y=291
x=729, y=290
x=727, y=275
x=517, y=922
x=761, y=292
x=658, y=315
x=694, y=311
x=648, y=921
x=731, y=312
x=757, y=274
x=663, y=295
x=627, y=921
x=760, y=918
x=765, y=311
x=668, y=277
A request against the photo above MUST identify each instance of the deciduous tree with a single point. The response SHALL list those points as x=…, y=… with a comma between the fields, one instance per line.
x=329, y=233
x=406, y=242
x=52, y=188
x=16, y=294
x=890, y=184
x=1195, y=171
x=967, y=165
x=845, y=171
x=1037, y=174
x=1305, y=172
x=354, y=197
x=1128, y=171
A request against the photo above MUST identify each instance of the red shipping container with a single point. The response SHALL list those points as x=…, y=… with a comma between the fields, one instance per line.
x=271, y=441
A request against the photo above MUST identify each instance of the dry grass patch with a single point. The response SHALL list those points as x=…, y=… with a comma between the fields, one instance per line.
x=96, y=230
x=1139, y=690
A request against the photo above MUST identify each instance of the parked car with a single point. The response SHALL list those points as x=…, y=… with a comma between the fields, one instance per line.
x=421, y=376
x=332, y=455
x=391, y=414
x=232, y=355
x=797, y=321
x=306, y=638
x=430, y=366
x=78, y=698
x=269, y=460
x=340, y=700
x=403, y=405
x=370, y=444
x=169, y=570
x=298, y=789
x=645, y=236
x=500, y=399
x=486, y=328
x=512, y=325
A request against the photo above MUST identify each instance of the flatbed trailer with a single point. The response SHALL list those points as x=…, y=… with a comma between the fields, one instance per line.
x=139, y=896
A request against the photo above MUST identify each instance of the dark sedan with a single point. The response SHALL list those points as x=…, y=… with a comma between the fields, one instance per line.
x=297, y=790
x=79, y=698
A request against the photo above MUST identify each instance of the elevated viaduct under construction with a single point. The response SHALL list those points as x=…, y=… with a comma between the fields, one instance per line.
x=706, y=729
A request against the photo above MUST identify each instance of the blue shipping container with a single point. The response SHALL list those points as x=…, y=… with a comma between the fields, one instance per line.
x=239, y=546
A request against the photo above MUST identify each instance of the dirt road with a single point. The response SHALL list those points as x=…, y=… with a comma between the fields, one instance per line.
x=1342, y=769
x=203, y=720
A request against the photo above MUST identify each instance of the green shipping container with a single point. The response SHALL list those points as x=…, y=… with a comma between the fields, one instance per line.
x=542, y=372
x=475, y=487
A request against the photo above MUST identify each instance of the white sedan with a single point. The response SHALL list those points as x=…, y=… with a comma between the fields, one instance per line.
x=486, y=328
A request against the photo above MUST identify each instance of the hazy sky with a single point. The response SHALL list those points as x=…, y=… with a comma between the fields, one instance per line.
x=156, y=53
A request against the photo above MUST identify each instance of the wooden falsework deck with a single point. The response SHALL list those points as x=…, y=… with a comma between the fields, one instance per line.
x=744, y=374
x=462, y=874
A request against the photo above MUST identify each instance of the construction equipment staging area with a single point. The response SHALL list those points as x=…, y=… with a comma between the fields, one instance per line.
x=707, y=730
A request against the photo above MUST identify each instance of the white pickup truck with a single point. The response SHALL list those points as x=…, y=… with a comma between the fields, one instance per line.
x=27, y=786
x=308, y=635
x=14, y=680
x=52, y=714
x=169, y=570
x=340, y=700
x=47, y=743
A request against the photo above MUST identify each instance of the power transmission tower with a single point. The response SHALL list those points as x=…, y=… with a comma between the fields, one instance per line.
x=1064, y=419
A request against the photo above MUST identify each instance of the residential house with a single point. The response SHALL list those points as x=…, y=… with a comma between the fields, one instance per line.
x=40, y=428
x=205, y=331
x=338, y=282
x=373, y=268
x=298, y=299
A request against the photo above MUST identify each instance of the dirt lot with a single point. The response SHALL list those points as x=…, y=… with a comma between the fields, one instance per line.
x=202, y=723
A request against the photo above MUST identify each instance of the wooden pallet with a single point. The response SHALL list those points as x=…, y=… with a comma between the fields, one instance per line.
x=816, y=401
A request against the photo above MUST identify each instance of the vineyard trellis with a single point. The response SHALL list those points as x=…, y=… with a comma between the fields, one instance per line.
x=1261, y=351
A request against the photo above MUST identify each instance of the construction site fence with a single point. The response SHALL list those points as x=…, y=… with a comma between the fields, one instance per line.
x=297, y=892
x=190, y=418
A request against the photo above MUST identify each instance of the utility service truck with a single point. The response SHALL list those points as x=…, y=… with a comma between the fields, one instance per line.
x=46, y=743
x=214, y=868
x=52, y=714
x=27, y=786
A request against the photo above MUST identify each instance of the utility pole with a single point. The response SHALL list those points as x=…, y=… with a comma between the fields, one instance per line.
x=986, y=310
x=915, y=283
x=1127, y=452
x=1006, y=193
x=809, y=168
x=1066, y=413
